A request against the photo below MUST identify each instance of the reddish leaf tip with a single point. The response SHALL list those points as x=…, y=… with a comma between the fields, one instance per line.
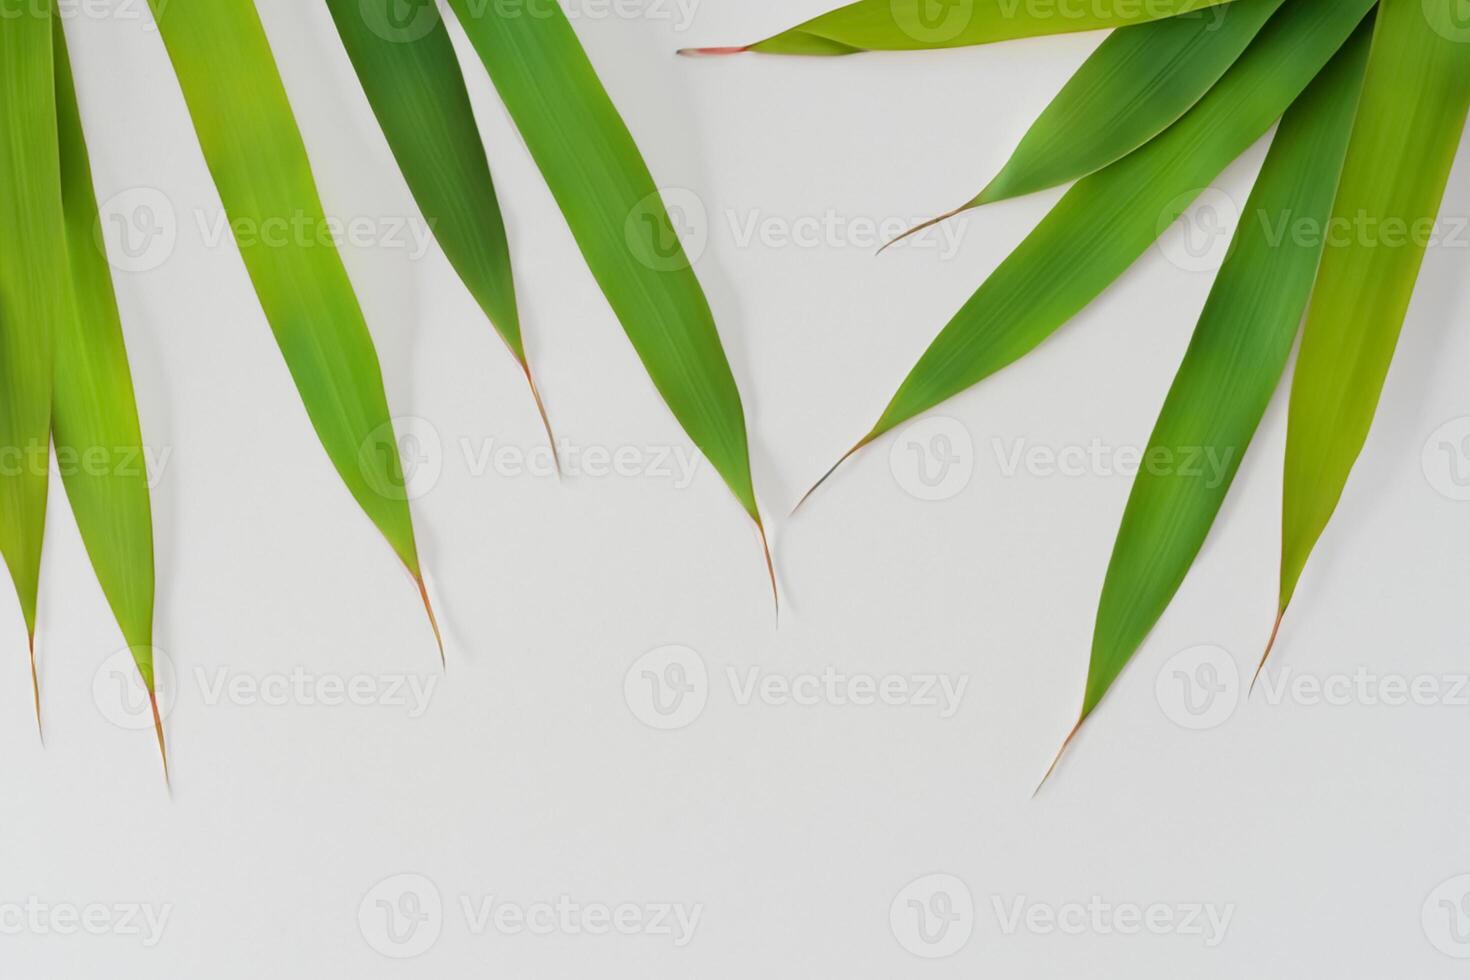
x=36, y=688
x=545, y=419
x=1071, y=737
x=158, y=730
x=713, y=52
x=925, y=226
x=828, y=475
x=433, y=619
x=770, y=567
x=1270, y=645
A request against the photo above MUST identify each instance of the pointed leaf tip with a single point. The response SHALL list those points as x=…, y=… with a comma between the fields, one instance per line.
x=712, y=52
x=433, y=619
x=1270, y=645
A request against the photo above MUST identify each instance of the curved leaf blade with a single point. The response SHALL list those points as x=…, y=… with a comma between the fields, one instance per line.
x=1414, y=106
x=413, y=82
x=1134, y=86
x=99, y=442
x=258, y=160
x=618, y=218
x=1233, y=365
x=918, y=25
x=32, y=291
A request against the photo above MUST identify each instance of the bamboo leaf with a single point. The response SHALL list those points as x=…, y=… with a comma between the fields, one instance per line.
x=413, y=82
x=1108, y=220
x=914, y=25
x=99, y=444
x=259, y=164
x=1413, y=111
x=1234, y=362
x=616, y=213
x=32, y=293
x=1133, y=87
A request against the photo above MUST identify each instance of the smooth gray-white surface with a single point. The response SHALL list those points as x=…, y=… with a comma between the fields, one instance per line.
x=845, y=796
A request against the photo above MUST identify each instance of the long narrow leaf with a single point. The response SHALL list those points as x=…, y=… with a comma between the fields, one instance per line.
x=417, y=91
x=1108, y=220
x=1234, y=363
x=99, y=443
x=914, y=25
x=259, y=164
x=1134, y=86
x=616, y=214
x=32, y=293
x=1415, y=100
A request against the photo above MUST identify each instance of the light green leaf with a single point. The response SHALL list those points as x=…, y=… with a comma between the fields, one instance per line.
x=1234, y=364
x=1413, y=111
x=1133, y=87
x=914, y=25
x=99, y=445
x=259, y=164
x=33, y=291
x=1108, y=220
x=413, y=82
x=617, y=215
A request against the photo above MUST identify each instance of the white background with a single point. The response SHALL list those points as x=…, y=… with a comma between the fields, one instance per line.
x=796, y=829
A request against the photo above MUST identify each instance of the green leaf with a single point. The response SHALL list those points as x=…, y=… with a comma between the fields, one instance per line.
x=1108, y=220
x=413, y=82
x=260, y=167
x=1135, y=85
x=1233, y=365
x=32, y=292
x=99, y=444
x=617, y=215
x=1413, y=111
x=914, y=25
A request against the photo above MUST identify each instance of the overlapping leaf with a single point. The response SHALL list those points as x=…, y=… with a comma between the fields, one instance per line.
x=1415, y=99
x=33, y=292
x=618, y=218
x=1109, y=219
x=99, y=444
x=1233, y=365
x=912, y=25
x=1134, y=86
x=408, y=71
x=259, y=164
